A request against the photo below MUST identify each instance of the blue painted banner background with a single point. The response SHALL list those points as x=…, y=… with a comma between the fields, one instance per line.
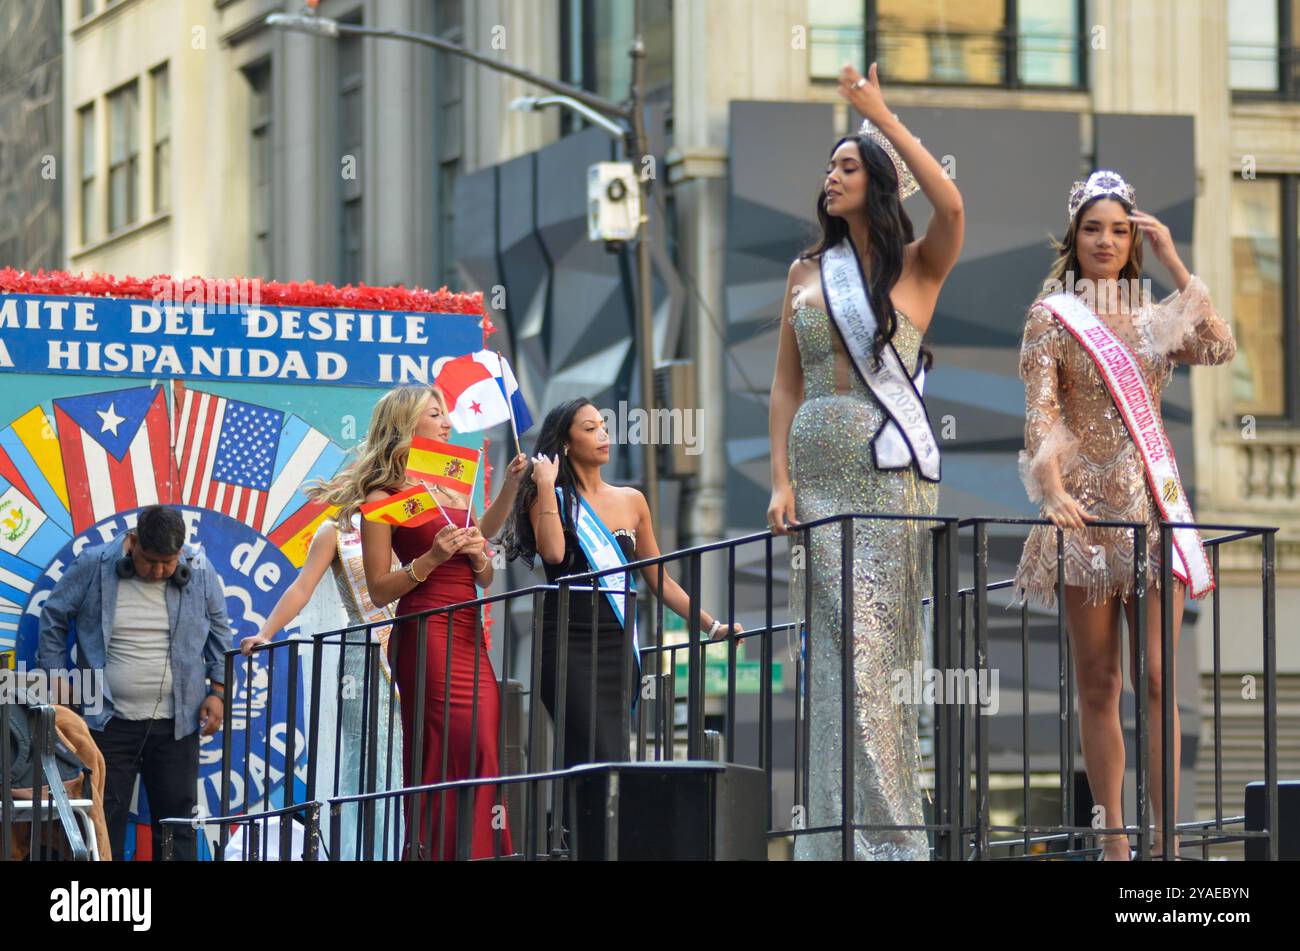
x=82, y=451
x=134, y=338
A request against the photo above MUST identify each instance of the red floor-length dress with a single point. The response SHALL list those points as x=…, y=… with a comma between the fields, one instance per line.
x=471, y=742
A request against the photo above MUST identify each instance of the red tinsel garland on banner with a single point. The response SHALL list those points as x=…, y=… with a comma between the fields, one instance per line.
x=268, y=293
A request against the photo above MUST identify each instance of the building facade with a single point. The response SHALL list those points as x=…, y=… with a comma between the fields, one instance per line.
x=31, y=134
x=201, y=142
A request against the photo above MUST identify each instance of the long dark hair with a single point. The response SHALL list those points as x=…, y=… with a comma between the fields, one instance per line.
x=518, y=538
x=890, y=229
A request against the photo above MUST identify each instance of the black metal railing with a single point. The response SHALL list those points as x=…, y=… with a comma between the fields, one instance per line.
x=1211, y=832
x=371, y=815
x=50, y=811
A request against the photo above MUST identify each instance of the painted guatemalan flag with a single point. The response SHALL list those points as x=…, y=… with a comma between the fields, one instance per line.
x=30, y=461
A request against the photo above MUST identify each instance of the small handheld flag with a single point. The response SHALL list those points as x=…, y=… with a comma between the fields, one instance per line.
x=411, y=508
x=482, y=392
x=453, y=467
x=514, y=423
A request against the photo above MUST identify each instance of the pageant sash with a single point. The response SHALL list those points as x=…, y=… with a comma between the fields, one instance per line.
x=354, y=573
x=602, y=552
x=1122, y=374
x=907, y=436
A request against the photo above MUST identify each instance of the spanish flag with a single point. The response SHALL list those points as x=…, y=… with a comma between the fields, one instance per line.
x=453, y=467
x=410, y=508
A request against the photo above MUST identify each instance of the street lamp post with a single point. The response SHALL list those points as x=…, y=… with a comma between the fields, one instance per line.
x=635, y=141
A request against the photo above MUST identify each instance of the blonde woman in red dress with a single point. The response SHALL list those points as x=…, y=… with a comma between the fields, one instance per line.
x=442, y=562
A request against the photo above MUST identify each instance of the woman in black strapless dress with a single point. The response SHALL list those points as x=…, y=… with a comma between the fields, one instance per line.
x=582, y=744
x=572, y=447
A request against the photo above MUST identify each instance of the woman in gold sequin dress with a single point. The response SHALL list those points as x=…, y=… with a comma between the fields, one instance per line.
x=1082, y=464
x=823, y=421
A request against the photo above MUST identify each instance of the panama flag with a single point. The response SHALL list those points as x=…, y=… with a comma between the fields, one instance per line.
x=116, y=452
x=481, y=391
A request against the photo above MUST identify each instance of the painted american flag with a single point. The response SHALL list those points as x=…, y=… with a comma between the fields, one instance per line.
x=225, y=453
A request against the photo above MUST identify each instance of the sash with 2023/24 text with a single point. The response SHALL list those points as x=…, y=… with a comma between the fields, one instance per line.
x=603, y=552
x=907, y=436
x=349, y=555
x=1122, y=374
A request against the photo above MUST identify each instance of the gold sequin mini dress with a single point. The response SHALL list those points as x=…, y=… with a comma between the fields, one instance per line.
x=1071, y=418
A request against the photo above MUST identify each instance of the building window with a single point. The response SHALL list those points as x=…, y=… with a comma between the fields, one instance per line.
x=260, y=167
x=835, y=36
x=595, y=39
x=86, y=7
x=123, y=156
x=86, y=138
x=449, y=24
x=1264, y=47
x=1013, y=43
x=350, y=142
x=160, y=84
x=1266, y=286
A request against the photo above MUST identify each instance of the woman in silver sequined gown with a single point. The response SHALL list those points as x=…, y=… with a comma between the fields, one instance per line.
x=823, y=419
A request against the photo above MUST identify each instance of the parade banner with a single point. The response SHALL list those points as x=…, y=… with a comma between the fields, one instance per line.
x=125, y=338
x=233, y=411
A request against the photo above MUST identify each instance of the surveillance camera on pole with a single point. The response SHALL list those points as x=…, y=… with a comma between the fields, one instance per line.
x=613, y=204
x=616, y=205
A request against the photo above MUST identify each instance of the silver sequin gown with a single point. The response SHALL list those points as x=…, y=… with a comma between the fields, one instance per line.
x=833, y=473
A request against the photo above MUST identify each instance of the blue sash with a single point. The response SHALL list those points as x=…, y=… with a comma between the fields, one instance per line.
x=603, y=552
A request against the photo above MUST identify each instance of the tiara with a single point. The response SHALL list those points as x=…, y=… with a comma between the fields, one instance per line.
x=907, y=185
x=1098, y=184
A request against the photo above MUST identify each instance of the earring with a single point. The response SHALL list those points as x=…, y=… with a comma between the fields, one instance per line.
x=566, y=451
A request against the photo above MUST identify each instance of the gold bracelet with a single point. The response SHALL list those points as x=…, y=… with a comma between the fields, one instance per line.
x=486, y=562
x=409, y=568
x=548, y=512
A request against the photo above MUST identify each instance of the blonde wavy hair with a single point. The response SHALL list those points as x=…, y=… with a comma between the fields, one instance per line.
x=381, y=457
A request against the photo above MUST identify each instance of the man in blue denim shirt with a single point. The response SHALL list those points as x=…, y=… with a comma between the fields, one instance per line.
x=150, y=621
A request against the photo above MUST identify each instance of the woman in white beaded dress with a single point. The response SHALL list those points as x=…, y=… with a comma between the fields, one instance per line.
x=1096, y=356
x=344, y=755
x=850, y=434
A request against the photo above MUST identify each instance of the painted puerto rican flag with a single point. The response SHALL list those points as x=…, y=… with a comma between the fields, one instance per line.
x=477, y=387
x=116, y=452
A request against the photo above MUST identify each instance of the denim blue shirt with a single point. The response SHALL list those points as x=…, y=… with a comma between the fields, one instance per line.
x=196, y=614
